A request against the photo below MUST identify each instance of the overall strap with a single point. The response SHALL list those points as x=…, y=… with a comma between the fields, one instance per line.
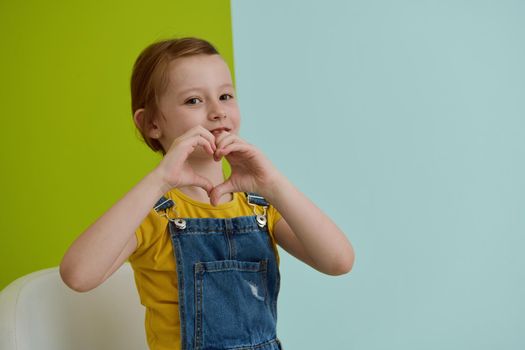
x=254, y=198
x=163, y=204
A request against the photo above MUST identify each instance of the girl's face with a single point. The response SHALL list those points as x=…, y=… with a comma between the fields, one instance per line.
x=200, y=92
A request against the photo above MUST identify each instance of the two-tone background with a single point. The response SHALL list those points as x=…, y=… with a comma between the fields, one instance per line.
x=403, y=121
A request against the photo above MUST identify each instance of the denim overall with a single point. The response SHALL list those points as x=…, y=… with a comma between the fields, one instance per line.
x=228, y=280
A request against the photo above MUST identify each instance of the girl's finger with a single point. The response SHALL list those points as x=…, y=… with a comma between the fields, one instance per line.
x=229, y=139
x=201, y=131
x=199, y=140
x=219, y=152
x=207, y=135
x=219, y=140
x=203, y=183
x=208, y=146
x=227, y=136
x=233, y=147
x=197, y=131
x=218, y=191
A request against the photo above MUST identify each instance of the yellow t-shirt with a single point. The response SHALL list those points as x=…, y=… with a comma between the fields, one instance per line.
x=154, y=263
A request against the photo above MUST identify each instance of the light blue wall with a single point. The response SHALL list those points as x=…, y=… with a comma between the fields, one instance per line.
x=404, y=121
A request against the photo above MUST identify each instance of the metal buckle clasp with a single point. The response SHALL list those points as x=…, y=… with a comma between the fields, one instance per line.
x=261, y=218
x=162, y=210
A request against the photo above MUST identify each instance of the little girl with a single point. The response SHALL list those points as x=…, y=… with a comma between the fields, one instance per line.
x=203, y=249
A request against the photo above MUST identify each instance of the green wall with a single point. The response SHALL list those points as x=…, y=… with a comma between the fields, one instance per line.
x=68, y=149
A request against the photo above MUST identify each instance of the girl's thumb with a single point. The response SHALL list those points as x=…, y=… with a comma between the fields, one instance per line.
x=219, y=191
x=204, y=183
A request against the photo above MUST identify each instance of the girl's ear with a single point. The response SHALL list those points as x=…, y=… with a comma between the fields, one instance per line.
x=151, y=129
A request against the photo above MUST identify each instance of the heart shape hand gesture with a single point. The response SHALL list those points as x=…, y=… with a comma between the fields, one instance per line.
x=251, y=170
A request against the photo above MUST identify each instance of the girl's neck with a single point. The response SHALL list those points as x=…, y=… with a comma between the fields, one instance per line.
x=210, y=169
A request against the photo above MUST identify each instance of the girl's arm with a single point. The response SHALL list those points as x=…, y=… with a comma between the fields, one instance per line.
x=307, y=233
x=304, y=229
x=109, y=241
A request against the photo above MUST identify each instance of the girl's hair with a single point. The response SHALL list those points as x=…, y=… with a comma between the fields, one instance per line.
x=150, y=79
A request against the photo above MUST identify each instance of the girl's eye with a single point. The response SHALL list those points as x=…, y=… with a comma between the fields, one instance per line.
x=192, y=101
x=228, y=97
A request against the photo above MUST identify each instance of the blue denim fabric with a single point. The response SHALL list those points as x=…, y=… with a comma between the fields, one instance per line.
x=228, y=282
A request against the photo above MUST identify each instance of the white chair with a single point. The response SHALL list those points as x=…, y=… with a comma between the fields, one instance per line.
x=39, y=312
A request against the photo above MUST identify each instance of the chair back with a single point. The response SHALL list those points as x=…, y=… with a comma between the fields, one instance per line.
x=38, y=311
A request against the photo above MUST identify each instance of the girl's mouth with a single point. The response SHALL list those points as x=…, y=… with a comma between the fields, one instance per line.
x=219, y=130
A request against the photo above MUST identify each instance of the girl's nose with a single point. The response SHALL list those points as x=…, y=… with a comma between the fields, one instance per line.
x=217, y=113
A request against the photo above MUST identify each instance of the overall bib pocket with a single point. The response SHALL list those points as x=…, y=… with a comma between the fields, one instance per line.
x=232, y=307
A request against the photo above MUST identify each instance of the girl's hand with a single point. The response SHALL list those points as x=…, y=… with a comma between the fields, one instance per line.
x=174, y=169
x=251, y=170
